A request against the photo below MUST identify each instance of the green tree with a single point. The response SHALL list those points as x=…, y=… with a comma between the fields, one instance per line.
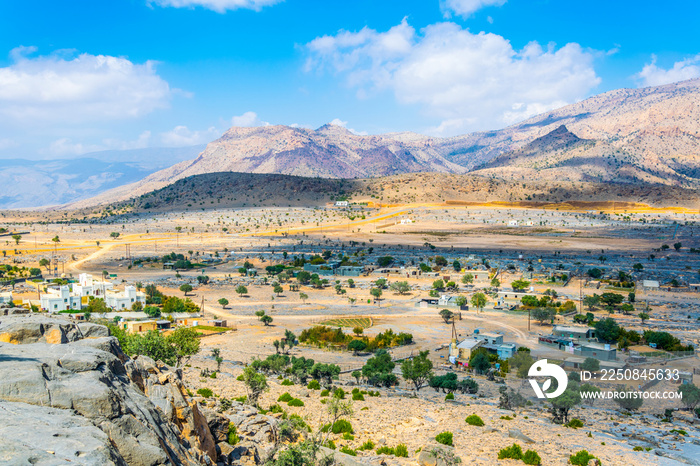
x=542, y=314
x=519, y=285
x=185, y=341
x=417, y=370
x=241, y=290
x=438, y=285
x=677, y=246
x=561, y=405
x=401, y=287
x=479, y=301
x=97, y=306
x=17, y=238
x=611, y=299
x=277, y=289
x=45, y=263
x=33, y=272
x=114, y=235
x=468, y=279
x=495, y=282
x=644, y=316
x=377, y=293
x=186, y=288
x=356, y=346
x=223, y=302
x=461, y=301
x=216, y=354
x=378, y=369
x=607, y=330
x=591, y=365
x=446, y=315
x=267, y=320
x=691, y=395
x=480, y=363
x=255, y=385
x=303, y=297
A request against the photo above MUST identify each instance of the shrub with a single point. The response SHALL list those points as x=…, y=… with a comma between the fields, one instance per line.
x=325, y=393
x=233, y=437
x=241, y=399
x=368, y=445
x=513, y=452
x=287, y=382
x=402, y=450
x=275, y=408
x=373, y=394
x=295, y=402
x=299, y=422
x=638, y=448
x=348, y=451
x=330, y=444
x=581, y=458
x=506, y=418
x=474, y=420
x=348, y=436
x=341, y=426
x=285, y=397
x=678, y=431
x=445, y=438
x=314, y=385
x=574, y=423
x=450, y=396
x=531, y=457
x=240, y=378
x=205, y=392
x=339, y=393
x=386, y=451
x=357, y=396
x=212, y=375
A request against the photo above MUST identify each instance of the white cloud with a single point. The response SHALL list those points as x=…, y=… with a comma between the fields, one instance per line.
x=248, y=119
x=220, y=6
x=65, y=146
x=73, y=88
x=139, y=143
x=183, y=136
x=652, y=75
x=6, y=143
x=344, y=124
x=466, y=7
x=469, y=81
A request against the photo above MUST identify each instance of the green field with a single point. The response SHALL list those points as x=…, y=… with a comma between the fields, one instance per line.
x=364, y=322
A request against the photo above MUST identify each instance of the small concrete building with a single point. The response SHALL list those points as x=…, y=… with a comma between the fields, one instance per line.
x=465, y=348
x=139, y=326
x=597, y=351
x=87, y=286
x=575, y=332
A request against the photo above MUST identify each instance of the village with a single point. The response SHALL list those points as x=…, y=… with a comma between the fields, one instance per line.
x=478, y=302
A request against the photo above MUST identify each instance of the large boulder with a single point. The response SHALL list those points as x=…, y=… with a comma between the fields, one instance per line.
x=37, y=328
x=42, y=436
x=147, y=424
x=11, y=311
x=437, y=455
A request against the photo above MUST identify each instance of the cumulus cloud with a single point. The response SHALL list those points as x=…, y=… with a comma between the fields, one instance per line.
x=344, y=124
x=469, y=81
x=183, y=136
x=653, y=75
x=66, y=146
x=248, y=119
x=220, y=6
x=78, y=88
x=466, y=7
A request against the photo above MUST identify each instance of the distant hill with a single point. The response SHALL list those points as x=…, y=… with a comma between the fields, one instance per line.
x=647, y=136
x=35, y=183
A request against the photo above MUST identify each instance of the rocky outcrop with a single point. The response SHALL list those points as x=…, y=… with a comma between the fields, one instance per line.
x=84, y=394
x=35, y=328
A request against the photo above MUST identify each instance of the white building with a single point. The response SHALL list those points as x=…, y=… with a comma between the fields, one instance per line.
x=87, y=286
x=6, y=297
x=61, y=299
x=406, y=221
x=341, y=203
x=512, y=223
x=120, y=300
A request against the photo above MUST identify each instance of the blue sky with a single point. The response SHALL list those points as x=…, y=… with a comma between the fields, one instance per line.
x=84, y=75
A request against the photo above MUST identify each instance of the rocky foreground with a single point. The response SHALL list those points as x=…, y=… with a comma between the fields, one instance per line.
x=69, y=395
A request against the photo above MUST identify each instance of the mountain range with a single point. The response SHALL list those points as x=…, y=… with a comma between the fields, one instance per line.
x=638, y=136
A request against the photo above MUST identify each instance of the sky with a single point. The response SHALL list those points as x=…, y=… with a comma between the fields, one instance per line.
x=78, y=76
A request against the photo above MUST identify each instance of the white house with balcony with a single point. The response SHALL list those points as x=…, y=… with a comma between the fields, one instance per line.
x=61, y=299
x=87, y=286
x=122, y=300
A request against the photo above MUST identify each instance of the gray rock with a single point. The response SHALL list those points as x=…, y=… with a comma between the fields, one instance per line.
x=342, y=458
x=436, y=455
x=47, y=436
x=518, y=435
x=88, y=379
x=90, y=330
x=10, y=311
x=37, y=328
